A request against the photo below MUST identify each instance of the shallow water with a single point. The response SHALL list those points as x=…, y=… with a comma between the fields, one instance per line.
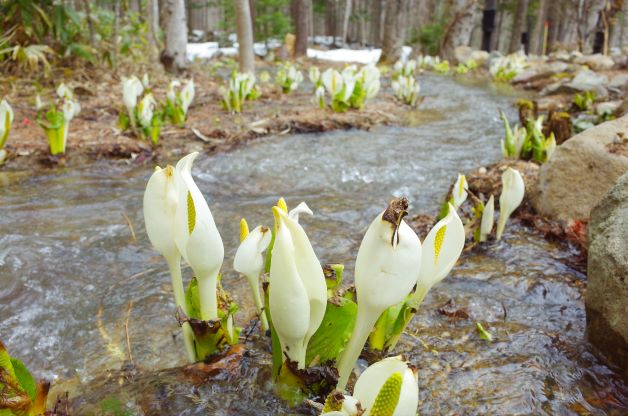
x=72, y=274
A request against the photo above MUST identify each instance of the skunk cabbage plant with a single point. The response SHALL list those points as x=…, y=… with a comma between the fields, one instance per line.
x=505, y=68
x=459, y=192
x=132, y=89
x=6, y=120
x=488, y=218
x=351, y=88
x=289, y=78
x=55, y=118
x=197, y=237
x=389, y=387
x=513, y=189
x=150, y=119
x=241, y=87
x=178, y=102
x=180, y=224
x=386, y=270
x=298, y=292
x=406, y=89
x=441, y=249
x=250, y=262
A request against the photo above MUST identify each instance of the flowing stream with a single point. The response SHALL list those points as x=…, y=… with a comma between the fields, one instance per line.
x=79, y=283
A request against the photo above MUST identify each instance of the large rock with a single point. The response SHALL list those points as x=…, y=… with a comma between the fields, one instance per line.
x=607, y=289
x=462, y=53
x=541, y=70
x=581, y=171
x=466, y=53
x=587, y=80
x=597, y=62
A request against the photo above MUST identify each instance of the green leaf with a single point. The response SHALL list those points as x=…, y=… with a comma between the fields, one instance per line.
x=484, y=334
x=192, y=302
x=334, y=332
x=5, y=361
x=25, y=378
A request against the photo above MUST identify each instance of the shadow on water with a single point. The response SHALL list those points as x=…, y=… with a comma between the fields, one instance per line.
x=73, y=271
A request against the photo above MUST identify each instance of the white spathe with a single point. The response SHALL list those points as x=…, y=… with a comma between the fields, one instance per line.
x=249, y=261
x=386, y=270
x=459, y=192
x=132, y=88
x=332, y=81
x=64, y=92
x=197, y=237
x=441, y=249
x=314, y=74
x=488, y=215
x=298, y=293
x=147, y=110
x=6, y=120
x=373, y=378
x=171, y=93
x=513, y=189
x=160, y=203
x=187, y=95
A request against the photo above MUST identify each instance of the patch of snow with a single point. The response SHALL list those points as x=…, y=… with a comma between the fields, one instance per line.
x=361, y=56
x=205, y=50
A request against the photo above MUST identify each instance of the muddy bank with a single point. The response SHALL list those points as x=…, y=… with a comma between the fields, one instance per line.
x=94, y=134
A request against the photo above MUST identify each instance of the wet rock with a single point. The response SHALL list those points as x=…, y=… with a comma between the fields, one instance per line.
x=480, y=57
x=541, y=70
x=580, y=172
x=462, y=53
x=587, y=80
x=597, y=62
x=619, y=81
x=607, y=292
x=608, y=107
x=466, y=53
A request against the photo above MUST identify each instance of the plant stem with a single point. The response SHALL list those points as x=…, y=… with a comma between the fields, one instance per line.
x=207, y=297
x=254, y=284
x=365, y=321
x=174, y=265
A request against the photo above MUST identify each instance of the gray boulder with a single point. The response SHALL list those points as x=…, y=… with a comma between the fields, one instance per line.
x=587, y=80
x=607, y=270
x=619, y=81
x=597, y=62
x=581, y=171
x=541, y=70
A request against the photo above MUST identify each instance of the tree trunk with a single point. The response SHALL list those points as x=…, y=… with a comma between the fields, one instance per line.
x=393, y=40
x=518, y=25
x=538, y=32
x=345, y=21
x=376, y=23
x=458, y=32
x=245, y=36
x=302, y=26
x=116, y=31
x=176, y=36
x=90, y=24
x=152, y=21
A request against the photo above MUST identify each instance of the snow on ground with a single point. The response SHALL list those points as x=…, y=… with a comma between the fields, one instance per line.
x=209, y=50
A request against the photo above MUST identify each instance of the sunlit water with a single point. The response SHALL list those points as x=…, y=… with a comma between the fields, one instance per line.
x=72, y=275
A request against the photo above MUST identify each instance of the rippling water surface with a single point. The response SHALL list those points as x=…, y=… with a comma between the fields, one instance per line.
x=76, y=270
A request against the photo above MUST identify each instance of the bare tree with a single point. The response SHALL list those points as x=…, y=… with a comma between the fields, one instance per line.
x=376, y=22
x=458, y=33
x=302, y=25
x=245, y=36
x=176, y=36
x=152, y=18
x=393, y=31
x=537, y=34
x=345, y=21
x=518, y=25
